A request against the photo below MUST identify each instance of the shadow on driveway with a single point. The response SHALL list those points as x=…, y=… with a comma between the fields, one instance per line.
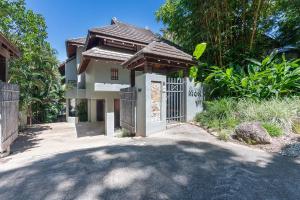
x=28, y=138
x=180, y=170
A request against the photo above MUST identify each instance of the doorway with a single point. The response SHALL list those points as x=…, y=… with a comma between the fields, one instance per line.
x=117, y=112
x=100, y=110
x=2, y=69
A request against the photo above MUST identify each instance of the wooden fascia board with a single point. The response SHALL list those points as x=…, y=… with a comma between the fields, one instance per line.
x=83, y=65
x=159, y=57
x=101, y=58
x=105, y=36
x=13, y=50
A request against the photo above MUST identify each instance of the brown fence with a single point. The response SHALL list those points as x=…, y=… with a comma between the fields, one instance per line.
x=128, y=109
x=9, y=110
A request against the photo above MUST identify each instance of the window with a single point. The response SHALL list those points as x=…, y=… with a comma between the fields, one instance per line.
x=114, y=74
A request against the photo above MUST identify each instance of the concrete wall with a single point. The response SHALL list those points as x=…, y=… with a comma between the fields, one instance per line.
x=146, y=124
x=9, y=112
x=194, y=97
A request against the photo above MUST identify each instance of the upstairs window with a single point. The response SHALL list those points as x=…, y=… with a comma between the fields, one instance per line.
x=114, y=74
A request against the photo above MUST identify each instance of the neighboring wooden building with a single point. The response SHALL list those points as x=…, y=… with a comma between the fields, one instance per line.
x=9, y=97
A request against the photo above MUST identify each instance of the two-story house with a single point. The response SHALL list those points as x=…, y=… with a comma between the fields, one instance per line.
x=94, y=73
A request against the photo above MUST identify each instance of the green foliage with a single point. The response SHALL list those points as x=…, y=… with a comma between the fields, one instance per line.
x=233, y=29
x=36, y=72
x=269, y=78
x=199, y=50
x=218, y=114
x=296, y=125
x=273, y=129
x=224, y=135
x=82, y=111
x=278, y=112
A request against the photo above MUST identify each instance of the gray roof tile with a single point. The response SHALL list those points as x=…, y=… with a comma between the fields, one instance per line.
x=127, y=32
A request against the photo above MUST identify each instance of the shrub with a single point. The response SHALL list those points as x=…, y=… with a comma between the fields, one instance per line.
x=227, y=113
x=259, y=80
x=224, y=135
x=218, y=114
x=296, y=126
x=272, y=129
x=82, y=111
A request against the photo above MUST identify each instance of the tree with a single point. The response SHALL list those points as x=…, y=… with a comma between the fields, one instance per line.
x=233, y=29
x=36, y=72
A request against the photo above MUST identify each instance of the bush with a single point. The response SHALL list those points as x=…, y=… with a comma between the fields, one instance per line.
x=272, y=129
x=258, y=80
x=82, y=111
x=224, y=135
x=227, y=113
x=296, y=125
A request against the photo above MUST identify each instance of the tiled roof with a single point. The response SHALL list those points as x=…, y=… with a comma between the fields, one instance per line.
x=162, y=49
x=98, y=52
x=125, y=31
x=80, y=40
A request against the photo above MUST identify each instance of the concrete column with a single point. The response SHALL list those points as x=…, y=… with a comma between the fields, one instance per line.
x=93, y=110
x=89, y=110
x=147, y=123
x=194, y=97
x=109, y=117
x=67, y=109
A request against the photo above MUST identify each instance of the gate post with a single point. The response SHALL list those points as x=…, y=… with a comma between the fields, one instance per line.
x=194, y=97
x=151, y=103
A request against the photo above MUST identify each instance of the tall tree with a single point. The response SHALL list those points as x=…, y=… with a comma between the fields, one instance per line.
x=233, y=29
x=36, y=71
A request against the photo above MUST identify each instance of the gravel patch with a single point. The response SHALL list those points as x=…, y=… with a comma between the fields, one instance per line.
x=292, y=150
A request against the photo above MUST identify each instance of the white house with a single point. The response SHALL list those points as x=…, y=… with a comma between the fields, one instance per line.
x=107, y=60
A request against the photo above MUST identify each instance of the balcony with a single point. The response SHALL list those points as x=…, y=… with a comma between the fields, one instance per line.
x=109, y=87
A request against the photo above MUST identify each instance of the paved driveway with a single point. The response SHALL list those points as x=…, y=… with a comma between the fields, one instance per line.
x=181, y=163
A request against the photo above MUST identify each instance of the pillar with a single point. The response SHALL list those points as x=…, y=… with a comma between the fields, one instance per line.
x=109, y=117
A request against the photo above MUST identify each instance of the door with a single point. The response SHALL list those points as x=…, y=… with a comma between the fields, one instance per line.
x=100, y=110
x=117, y=112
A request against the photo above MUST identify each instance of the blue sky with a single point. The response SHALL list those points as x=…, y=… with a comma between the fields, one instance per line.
x=72, y=18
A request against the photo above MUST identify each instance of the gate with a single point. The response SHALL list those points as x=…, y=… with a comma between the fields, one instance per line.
x=175, y=100
x=128, y=109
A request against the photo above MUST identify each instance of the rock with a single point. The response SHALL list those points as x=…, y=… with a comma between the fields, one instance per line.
x=252, y=133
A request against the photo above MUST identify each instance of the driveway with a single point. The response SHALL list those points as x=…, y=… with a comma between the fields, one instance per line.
x=184, y=162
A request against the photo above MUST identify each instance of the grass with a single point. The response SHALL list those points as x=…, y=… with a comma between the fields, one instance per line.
x=276, y=114
x=273, y=130
x=223, y=135
x=296, y=126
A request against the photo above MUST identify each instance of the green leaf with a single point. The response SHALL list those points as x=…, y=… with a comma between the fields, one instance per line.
x=266, y=61
x=244, y=82
x=199, y=50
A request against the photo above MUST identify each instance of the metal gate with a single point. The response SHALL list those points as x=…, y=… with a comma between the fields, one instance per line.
x=128, y=109
x=175, y=100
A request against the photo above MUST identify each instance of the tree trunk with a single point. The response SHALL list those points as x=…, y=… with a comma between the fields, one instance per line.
x=256, y=15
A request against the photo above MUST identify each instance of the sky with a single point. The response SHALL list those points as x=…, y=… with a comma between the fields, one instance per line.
x=72, y=18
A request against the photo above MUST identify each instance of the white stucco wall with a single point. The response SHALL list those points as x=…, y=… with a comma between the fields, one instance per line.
x=98, y=77
x=194, y=97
